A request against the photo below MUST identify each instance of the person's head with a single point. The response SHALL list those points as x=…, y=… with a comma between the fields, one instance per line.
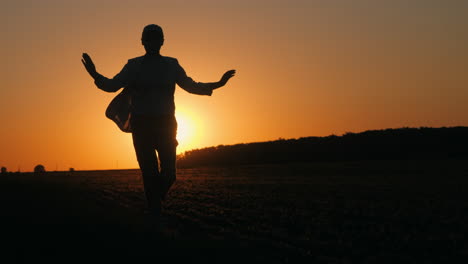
x=152, y=38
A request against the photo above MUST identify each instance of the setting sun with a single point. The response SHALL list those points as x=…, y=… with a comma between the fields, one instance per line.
x=188, y=130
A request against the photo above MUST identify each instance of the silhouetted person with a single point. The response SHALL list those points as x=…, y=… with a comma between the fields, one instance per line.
x=152, y=79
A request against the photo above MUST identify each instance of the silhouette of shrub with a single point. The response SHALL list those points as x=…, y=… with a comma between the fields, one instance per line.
x=71, y=170
x=39, y=169
x=4, y=170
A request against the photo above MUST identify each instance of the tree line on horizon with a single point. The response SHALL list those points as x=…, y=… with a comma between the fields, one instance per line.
x=399, y=143
x=389, y=144
x=38, y=169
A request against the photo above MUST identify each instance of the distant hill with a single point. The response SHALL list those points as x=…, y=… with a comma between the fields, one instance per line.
x=400, y=143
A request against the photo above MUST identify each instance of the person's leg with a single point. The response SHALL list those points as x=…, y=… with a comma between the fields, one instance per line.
x=167, y=157
x=148, y=162
x=166, y=147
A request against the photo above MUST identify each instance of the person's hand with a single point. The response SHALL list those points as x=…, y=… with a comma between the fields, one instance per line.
x=89, y=65
x=226, y=76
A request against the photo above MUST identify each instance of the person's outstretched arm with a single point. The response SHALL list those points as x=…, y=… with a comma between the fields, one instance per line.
x=102, y=82
x=200, y=88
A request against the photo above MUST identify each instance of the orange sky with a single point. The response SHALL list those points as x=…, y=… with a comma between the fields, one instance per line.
x=304, y=68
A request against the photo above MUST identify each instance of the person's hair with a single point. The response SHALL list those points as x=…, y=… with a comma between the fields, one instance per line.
x=152, y=32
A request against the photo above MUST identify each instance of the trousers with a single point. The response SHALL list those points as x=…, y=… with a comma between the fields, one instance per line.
x=155, y=143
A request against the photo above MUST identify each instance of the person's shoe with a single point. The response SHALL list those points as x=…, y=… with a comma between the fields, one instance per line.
x=162, y=228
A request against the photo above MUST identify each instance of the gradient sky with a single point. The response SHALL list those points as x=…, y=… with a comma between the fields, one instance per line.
x=304, y=68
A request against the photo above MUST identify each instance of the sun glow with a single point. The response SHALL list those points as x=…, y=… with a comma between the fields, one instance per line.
x=188, y=130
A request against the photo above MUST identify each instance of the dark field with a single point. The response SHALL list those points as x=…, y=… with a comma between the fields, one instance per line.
x=340, y=212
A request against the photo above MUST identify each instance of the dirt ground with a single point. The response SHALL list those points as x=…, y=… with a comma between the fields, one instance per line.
x=337, y=212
